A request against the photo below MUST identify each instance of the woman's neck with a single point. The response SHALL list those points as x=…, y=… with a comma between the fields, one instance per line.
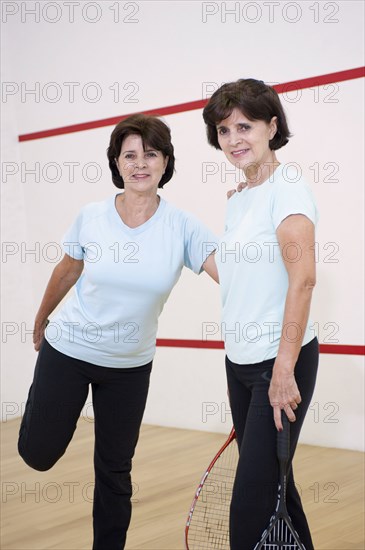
x=136, y=208
x=256, y=174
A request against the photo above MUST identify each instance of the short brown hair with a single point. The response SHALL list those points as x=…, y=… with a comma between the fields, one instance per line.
x=154, y=133
x=255, y=100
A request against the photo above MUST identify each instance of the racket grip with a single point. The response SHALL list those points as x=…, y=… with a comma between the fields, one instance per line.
x=283, y=439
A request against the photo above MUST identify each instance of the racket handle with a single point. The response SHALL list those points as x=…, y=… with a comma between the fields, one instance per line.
x=283, y=439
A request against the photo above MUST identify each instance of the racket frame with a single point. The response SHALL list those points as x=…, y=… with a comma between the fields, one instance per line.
x=229, y=440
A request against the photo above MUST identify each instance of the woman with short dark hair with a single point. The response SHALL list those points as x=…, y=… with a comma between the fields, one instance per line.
x=266, y=266
x=124, y=255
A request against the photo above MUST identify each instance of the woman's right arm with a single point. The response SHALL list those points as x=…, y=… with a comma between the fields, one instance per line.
x=64, y=276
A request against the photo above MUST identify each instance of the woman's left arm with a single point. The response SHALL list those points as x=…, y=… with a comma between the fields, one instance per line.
x=296, y=239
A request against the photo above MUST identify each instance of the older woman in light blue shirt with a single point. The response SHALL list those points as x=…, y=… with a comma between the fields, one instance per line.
x=124, y=255
x=266, y=266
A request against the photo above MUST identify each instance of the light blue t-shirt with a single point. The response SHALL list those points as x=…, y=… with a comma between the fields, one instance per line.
x=252, y=274
x=111, y=318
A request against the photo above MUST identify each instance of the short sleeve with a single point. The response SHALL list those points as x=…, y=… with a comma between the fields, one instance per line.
x=71, y=240
x=199, y=243
x=292, y=198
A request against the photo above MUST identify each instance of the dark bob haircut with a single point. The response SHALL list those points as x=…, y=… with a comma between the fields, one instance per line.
x=154, y=134
x=255, y=100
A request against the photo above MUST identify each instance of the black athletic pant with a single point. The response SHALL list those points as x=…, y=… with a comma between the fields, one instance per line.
x=56, y=397
x=256, y=485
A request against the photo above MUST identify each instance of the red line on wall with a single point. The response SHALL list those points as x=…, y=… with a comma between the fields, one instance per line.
x=294, y=85
x=336, y=349
x=321, y=80
x=202, y=344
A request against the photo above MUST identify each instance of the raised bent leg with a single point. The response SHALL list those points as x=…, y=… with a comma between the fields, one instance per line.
x=56, y=397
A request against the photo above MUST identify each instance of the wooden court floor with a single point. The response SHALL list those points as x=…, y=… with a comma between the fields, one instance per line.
x=52, y=510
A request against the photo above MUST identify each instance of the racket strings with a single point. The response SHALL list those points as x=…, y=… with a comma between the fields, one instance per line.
x=209, y=527
x=280, y=536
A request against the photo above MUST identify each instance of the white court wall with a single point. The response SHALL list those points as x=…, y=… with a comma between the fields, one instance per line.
x=159, y=54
